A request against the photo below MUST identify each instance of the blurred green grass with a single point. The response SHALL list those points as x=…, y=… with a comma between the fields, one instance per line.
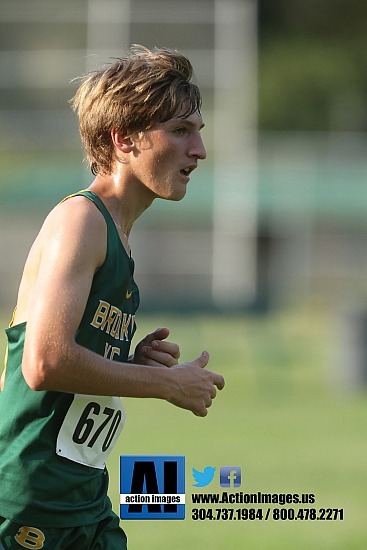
x=282, y=418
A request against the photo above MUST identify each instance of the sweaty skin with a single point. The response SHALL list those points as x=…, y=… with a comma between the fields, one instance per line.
x=68, y=251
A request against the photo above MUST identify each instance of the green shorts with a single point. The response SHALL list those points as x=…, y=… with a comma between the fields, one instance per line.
x=105, y=535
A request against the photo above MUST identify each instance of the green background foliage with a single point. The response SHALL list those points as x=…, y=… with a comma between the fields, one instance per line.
x=312, y=65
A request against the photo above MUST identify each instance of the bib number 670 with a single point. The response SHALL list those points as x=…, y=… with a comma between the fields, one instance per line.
x=91, y=424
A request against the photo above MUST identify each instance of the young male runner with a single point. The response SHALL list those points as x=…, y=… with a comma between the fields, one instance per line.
x=68, y=345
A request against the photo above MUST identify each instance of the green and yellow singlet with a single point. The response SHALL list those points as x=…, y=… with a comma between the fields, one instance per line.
x=54, y=445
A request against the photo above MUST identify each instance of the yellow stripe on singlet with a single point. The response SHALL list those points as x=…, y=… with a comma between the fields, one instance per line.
x=2, y=382
x=72, y=195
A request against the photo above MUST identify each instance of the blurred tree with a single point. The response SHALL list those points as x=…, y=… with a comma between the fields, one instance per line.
x=312, y=65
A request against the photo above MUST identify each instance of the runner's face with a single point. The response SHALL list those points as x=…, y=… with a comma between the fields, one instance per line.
x=168, y=153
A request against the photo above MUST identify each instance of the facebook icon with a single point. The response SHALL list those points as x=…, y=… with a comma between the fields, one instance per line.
x=230, y=474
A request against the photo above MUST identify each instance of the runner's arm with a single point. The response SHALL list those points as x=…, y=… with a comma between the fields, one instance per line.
x=72, y=248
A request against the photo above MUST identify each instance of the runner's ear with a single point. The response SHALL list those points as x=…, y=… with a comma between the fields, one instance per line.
x=123, y=143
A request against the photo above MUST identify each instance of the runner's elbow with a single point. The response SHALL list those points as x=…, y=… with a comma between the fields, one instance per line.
x=35, y=374
x=38, y=370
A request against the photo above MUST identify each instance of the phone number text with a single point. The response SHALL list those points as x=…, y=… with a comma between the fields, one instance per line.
x=277, y=514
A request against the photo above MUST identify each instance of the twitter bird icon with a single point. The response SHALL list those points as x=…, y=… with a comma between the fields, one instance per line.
x=203, y=478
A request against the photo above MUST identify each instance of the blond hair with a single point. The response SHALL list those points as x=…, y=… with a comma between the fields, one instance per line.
x=130, y=96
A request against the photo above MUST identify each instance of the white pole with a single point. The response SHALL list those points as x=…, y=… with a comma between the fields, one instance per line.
x=235, y=120
x=108, y=32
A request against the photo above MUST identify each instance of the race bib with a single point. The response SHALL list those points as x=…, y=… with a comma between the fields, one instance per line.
x=90, y=429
